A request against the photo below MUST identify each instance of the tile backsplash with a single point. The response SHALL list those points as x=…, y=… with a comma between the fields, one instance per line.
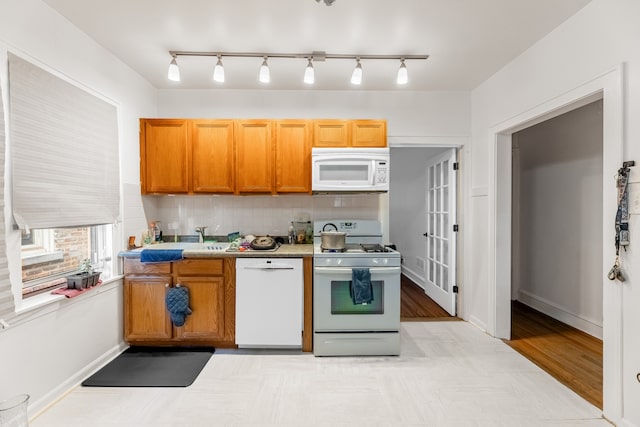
x=258, y=215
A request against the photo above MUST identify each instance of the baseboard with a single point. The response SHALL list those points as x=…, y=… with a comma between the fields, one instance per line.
x=552, y=309
x=478, y=323
x=626, y=423
x=42, y=404
x=415, y=277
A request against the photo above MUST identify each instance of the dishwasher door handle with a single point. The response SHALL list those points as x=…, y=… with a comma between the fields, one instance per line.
x=268, y=267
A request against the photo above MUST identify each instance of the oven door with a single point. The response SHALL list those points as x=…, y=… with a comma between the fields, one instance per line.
x=334, y=310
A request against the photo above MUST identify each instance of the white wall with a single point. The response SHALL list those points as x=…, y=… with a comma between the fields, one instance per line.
x=407, y=113
x=599, y=38
x=48, y=350
x=560, y=199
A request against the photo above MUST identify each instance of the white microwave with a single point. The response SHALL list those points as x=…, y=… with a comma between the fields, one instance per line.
x=350, y=170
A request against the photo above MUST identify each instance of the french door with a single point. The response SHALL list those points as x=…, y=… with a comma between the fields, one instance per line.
x=440, y=236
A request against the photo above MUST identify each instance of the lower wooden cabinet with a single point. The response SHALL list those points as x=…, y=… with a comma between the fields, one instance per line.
x=211, y=284
x=145, y=315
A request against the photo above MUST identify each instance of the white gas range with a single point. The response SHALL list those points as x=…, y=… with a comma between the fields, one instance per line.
x=345, y=325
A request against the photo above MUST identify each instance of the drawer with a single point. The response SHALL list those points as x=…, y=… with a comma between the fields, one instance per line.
x=202, y=267
x=134, y=266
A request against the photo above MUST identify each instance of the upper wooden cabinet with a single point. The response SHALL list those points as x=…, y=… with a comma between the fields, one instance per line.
x=254, y=156
x=164, y=155
x=331, y=133
x=349, y=133
x=368, y=133
x=212, y=156
x=293, y=156
x=242, y=156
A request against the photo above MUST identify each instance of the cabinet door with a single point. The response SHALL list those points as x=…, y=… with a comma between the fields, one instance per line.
x=369, y=133
x=254, y=156
x=206, y=300
x=331, y=133
x=145, y=313
x=293, y=156
x=212, y=156
x=164, y=155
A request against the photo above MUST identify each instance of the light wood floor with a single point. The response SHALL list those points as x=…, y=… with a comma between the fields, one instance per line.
x=448, y=374
x=571, y=356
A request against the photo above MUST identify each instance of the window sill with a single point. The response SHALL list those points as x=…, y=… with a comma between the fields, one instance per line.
x=45, y=299
x=41, y=258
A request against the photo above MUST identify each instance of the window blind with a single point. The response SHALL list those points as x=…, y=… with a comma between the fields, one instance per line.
x=64, y=151
x=6, y=296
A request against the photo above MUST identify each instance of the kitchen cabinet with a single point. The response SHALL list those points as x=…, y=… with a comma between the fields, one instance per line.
x=211, y=284
x=205, y=280
x=293, y=156
x=213, y=166
x=368, y=133
x=349, y=133
x=331, y=133
x=164, y=155
x=254, y=156
x=145, y=315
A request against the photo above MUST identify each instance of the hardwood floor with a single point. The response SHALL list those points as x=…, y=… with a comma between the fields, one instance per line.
x=571, y=356
x=416, y=306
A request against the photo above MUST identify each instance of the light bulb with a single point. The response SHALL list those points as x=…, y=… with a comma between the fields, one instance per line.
x=309, y=76
x=356, y=77
x=174, y=72
x=402, y=78
x=218, y=71
x=264, y=76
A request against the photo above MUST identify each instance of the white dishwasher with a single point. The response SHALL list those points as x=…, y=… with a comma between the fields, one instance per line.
x=269, y=296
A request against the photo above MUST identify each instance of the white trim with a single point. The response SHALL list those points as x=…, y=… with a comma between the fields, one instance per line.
x=427, y=141
x=37, y=407
x=609, y=86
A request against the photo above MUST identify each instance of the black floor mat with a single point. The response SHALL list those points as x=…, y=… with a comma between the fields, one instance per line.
x=152, y=367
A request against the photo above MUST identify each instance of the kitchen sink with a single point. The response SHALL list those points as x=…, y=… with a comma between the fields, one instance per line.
x=192, y=247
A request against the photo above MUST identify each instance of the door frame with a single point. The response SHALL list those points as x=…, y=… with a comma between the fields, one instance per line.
x=463, y=185
x=609, y=87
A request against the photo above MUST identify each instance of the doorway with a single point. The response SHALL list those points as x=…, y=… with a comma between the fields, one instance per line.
x=557, y=243
x=609, y=88
x=423, y=198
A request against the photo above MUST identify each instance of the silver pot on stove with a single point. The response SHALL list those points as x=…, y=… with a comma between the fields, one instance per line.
x=332, y=240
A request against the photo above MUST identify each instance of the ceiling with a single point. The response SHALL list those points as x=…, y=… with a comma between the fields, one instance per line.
x=467, y=40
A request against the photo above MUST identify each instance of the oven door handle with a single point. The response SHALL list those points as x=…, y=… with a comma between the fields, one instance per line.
x=343, y=270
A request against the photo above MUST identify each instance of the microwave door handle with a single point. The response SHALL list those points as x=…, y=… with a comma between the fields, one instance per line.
x=374, y=171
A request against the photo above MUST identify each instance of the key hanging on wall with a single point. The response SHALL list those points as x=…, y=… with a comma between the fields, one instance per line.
x=622, y=237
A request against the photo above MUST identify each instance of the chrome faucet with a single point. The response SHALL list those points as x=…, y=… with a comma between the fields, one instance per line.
x=201, y=230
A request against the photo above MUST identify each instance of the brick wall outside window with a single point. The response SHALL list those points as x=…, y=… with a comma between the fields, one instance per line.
x=73, y=242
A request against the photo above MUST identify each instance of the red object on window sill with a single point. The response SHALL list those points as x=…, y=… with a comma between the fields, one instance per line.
x=70, y=293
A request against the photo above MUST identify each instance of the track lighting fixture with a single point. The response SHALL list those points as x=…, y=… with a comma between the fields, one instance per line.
x=402, y=77
x=356, y=77
x=264, y=75
x=174, y=72
x=309, y=75
x=218, y=71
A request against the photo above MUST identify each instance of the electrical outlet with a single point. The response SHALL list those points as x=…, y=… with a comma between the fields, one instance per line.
x=420, y=262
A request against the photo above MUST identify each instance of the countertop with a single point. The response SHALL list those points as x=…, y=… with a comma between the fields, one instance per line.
x=209, y=250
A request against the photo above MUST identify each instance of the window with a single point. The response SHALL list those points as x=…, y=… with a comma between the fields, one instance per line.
x=49, y=255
